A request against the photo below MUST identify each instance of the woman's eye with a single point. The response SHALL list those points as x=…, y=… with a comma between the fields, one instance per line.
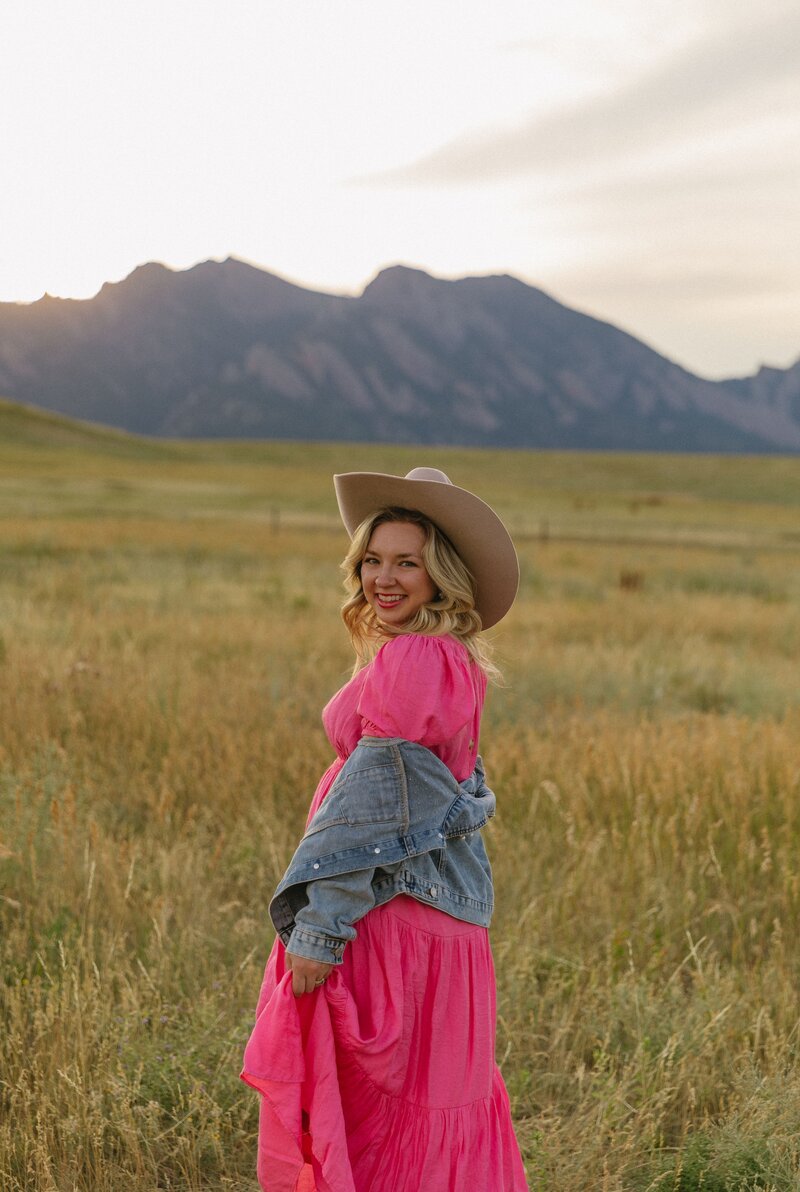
x=371, y=561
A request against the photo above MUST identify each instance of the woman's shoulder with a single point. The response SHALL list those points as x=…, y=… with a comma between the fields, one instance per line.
x=419, y=687
x=420, y=658
x=424, y=647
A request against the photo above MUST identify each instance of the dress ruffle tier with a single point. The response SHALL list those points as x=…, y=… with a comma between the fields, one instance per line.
x=390, y=1063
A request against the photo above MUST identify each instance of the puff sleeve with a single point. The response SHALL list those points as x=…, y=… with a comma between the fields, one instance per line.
x=419, y=688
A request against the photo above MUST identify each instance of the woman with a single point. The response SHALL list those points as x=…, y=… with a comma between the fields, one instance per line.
x=374, y=1040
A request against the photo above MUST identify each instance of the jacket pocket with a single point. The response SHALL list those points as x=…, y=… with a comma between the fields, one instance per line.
x=372, y=795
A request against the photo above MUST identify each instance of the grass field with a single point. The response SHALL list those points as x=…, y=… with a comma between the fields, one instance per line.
x=169, y=628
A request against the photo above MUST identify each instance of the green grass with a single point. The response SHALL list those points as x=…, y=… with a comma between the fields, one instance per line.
x=107, y=473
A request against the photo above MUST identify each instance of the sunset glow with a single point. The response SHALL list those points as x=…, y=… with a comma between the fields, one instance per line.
x=638, y=164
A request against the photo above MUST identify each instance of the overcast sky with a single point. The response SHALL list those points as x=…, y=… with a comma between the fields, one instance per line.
x=640, y=161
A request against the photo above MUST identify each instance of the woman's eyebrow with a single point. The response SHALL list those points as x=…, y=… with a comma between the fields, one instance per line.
x=407, y=555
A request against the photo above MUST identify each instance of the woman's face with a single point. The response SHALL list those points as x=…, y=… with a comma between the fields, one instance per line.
x=393, y=574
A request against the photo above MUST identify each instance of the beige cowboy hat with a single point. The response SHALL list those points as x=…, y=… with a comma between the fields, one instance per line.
x=475, y=530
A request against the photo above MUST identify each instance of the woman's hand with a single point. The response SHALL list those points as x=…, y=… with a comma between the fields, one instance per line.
x=307, y=975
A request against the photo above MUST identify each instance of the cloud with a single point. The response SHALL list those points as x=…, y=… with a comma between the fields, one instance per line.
x=665, y=199
x=694, y=249
x=634, y=282
x=733, y=76
x=714, y=197
x=716, y=321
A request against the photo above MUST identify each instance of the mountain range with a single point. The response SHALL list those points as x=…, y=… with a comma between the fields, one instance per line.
x=228, y=350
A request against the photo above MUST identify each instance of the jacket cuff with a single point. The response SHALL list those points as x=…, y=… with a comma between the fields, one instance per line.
x=313, y=945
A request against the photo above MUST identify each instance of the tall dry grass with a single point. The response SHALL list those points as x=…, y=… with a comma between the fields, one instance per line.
x=161, y=680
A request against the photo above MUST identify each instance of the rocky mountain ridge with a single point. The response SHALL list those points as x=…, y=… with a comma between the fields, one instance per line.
x=228, y=350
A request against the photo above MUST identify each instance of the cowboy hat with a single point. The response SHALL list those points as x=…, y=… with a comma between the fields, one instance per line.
x=480, y=538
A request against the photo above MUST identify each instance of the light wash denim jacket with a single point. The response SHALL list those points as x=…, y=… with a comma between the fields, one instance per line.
x=395, y=821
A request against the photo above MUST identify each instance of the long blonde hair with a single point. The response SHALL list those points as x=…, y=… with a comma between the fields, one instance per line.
x=452, y=611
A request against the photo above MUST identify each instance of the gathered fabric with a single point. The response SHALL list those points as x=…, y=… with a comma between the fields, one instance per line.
x=384, y=1078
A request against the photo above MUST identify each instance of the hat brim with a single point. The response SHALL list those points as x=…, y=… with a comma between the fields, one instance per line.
x=482, y=541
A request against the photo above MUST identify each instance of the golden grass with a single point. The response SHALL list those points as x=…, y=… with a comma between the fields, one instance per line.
x=160, y=667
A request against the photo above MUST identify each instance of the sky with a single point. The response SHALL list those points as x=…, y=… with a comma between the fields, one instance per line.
x=638, y=161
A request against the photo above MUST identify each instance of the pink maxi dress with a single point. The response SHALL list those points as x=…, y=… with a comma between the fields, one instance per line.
x=384, y=1079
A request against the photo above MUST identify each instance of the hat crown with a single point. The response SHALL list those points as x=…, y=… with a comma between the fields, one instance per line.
x=428, y=474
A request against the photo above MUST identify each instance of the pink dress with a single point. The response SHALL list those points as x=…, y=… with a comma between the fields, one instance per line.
x=384, y=1080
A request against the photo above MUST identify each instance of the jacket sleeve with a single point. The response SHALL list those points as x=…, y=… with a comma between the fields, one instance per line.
x=325, y=924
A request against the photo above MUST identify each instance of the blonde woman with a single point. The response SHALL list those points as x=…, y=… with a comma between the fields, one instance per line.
x=374, y=1041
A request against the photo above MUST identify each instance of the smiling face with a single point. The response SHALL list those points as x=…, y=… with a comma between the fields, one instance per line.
x=393, y=573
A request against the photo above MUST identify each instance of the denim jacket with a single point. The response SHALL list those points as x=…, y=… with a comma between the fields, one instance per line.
x=395, y=821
